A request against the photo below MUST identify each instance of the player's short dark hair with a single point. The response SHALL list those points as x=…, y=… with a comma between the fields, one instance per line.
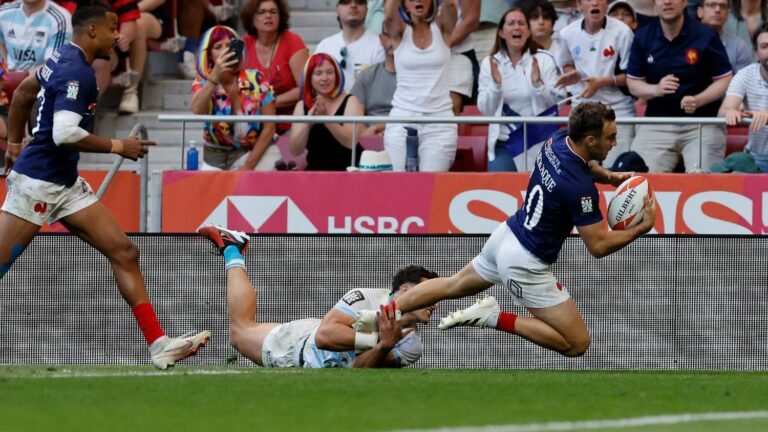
x=410, y=274
x=87, y=13
x=588, y=119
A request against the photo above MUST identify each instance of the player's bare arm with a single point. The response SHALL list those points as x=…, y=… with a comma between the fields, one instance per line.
x=601, y=242
x=335, y=332
x=605, y=176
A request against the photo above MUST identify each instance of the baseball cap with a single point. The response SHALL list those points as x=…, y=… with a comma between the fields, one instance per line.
x=622, y=3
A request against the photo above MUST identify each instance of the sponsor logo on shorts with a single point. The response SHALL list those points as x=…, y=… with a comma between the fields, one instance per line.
x=353, y=297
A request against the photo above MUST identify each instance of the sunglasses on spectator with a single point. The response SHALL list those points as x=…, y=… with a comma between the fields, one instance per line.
x=357, y=2
x=344, y=53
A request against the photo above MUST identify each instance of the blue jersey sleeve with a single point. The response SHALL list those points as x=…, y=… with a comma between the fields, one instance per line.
x=74, y=91
x=584, y=206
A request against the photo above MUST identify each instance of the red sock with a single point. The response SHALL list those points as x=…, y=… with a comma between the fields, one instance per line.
x=506, y=322
x=148, y=323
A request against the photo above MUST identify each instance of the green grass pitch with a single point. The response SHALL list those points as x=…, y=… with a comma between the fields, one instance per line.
x=85, y=398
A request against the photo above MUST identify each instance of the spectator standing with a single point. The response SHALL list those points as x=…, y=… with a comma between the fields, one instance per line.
x=681, y=68
x=30, y=31
x=645, y=12
x=275, y=51
x=746, y=17
x=517, y=79
x=421, y=34
x=622, y=10
x=750, y=88
x=542, y=22
x=329, y=145
x=714, y=13
x=376, y=86
x=354, y=47
x=463, y=68
x=594, y=55
x=568, y=11
x=226, y=88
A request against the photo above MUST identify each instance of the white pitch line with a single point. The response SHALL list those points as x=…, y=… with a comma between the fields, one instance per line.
x=65, y=373
x=603, y=424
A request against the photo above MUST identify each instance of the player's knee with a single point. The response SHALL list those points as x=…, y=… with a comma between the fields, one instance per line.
x=125, y=253
x=578, y=346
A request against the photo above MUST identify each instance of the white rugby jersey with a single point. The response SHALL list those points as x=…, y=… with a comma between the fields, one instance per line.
x=605, y=53
x=30, y=40
x=407, y=351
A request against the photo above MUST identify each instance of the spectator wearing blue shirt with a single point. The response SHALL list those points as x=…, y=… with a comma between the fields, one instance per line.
x=714, y=13
x=680, y=67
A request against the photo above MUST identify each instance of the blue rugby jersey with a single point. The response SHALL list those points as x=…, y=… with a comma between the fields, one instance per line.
x=67, y=83
x=561, y=193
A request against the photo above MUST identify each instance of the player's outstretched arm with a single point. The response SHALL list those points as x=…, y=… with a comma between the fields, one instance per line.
x=21, y=106
x=390, y=333
x=601, y=242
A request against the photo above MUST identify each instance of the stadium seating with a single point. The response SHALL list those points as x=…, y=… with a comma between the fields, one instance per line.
x=471, y=154
x=170, y=29
x=472, y=129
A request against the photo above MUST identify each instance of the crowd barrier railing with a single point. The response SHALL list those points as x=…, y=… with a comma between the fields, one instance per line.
x=192, y=118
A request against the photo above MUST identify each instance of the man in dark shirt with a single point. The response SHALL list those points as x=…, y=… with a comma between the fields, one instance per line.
x=681, y=68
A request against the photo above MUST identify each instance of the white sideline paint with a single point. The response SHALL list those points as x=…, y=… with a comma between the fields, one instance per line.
x=65, y=373
x=603, y=424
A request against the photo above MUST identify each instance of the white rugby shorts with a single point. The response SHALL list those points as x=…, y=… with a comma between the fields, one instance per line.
x=530, y=280
x=39, y=201
x=283, y=344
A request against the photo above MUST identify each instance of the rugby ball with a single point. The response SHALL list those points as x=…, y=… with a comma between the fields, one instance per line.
x=626, y=207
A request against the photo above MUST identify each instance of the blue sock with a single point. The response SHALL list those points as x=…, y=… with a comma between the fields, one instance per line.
x=233, y=258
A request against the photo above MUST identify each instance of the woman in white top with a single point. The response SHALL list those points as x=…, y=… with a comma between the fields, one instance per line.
x=517, y=79
x=420, y=32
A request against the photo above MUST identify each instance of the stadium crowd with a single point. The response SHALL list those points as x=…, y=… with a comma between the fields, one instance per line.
x=429, y=58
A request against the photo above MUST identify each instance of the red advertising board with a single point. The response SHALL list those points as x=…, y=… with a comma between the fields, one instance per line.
x=122, y=198
x=326, y=202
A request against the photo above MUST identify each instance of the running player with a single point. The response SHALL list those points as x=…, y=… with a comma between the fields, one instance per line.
x=44, y=185
x=315, y=343
x=520, y=252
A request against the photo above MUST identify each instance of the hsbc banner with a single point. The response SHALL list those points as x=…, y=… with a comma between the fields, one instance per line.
x=436, y=203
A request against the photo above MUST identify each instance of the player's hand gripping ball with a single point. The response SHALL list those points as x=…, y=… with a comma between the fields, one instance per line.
x=626, y=207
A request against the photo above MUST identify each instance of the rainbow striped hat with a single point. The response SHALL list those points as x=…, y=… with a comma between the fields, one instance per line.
x=314, y=61
x=204, y=63
x=406, y=16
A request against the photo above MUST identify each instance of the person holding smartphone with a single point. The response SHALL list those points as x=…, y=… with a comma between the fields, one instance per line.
x=225, y=87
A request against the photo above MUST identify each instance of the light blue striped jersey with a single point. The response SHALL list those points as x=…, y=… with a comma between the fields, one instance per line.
x=30, y=40
x=407, y=351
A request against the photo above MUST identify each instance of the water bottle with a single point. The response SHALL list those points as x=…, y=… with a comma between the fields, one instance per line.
x=192, y=160
x=411, y=150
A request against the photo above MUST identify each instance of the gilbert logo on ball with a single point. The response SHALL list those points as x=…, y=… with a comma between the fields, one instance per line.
x=626, y=207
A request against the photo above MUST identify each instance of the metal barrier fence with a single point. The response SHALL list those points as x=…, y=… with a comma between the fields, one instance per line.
x=664, y=302
x=525, y=120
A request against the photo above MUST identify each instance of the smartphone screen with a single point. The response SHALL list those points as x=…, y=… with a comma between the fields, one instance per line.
x=236, y=46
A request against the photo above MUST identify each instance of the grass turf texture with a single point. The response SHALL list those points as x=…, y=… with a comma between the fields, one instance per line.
x=60, y=398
